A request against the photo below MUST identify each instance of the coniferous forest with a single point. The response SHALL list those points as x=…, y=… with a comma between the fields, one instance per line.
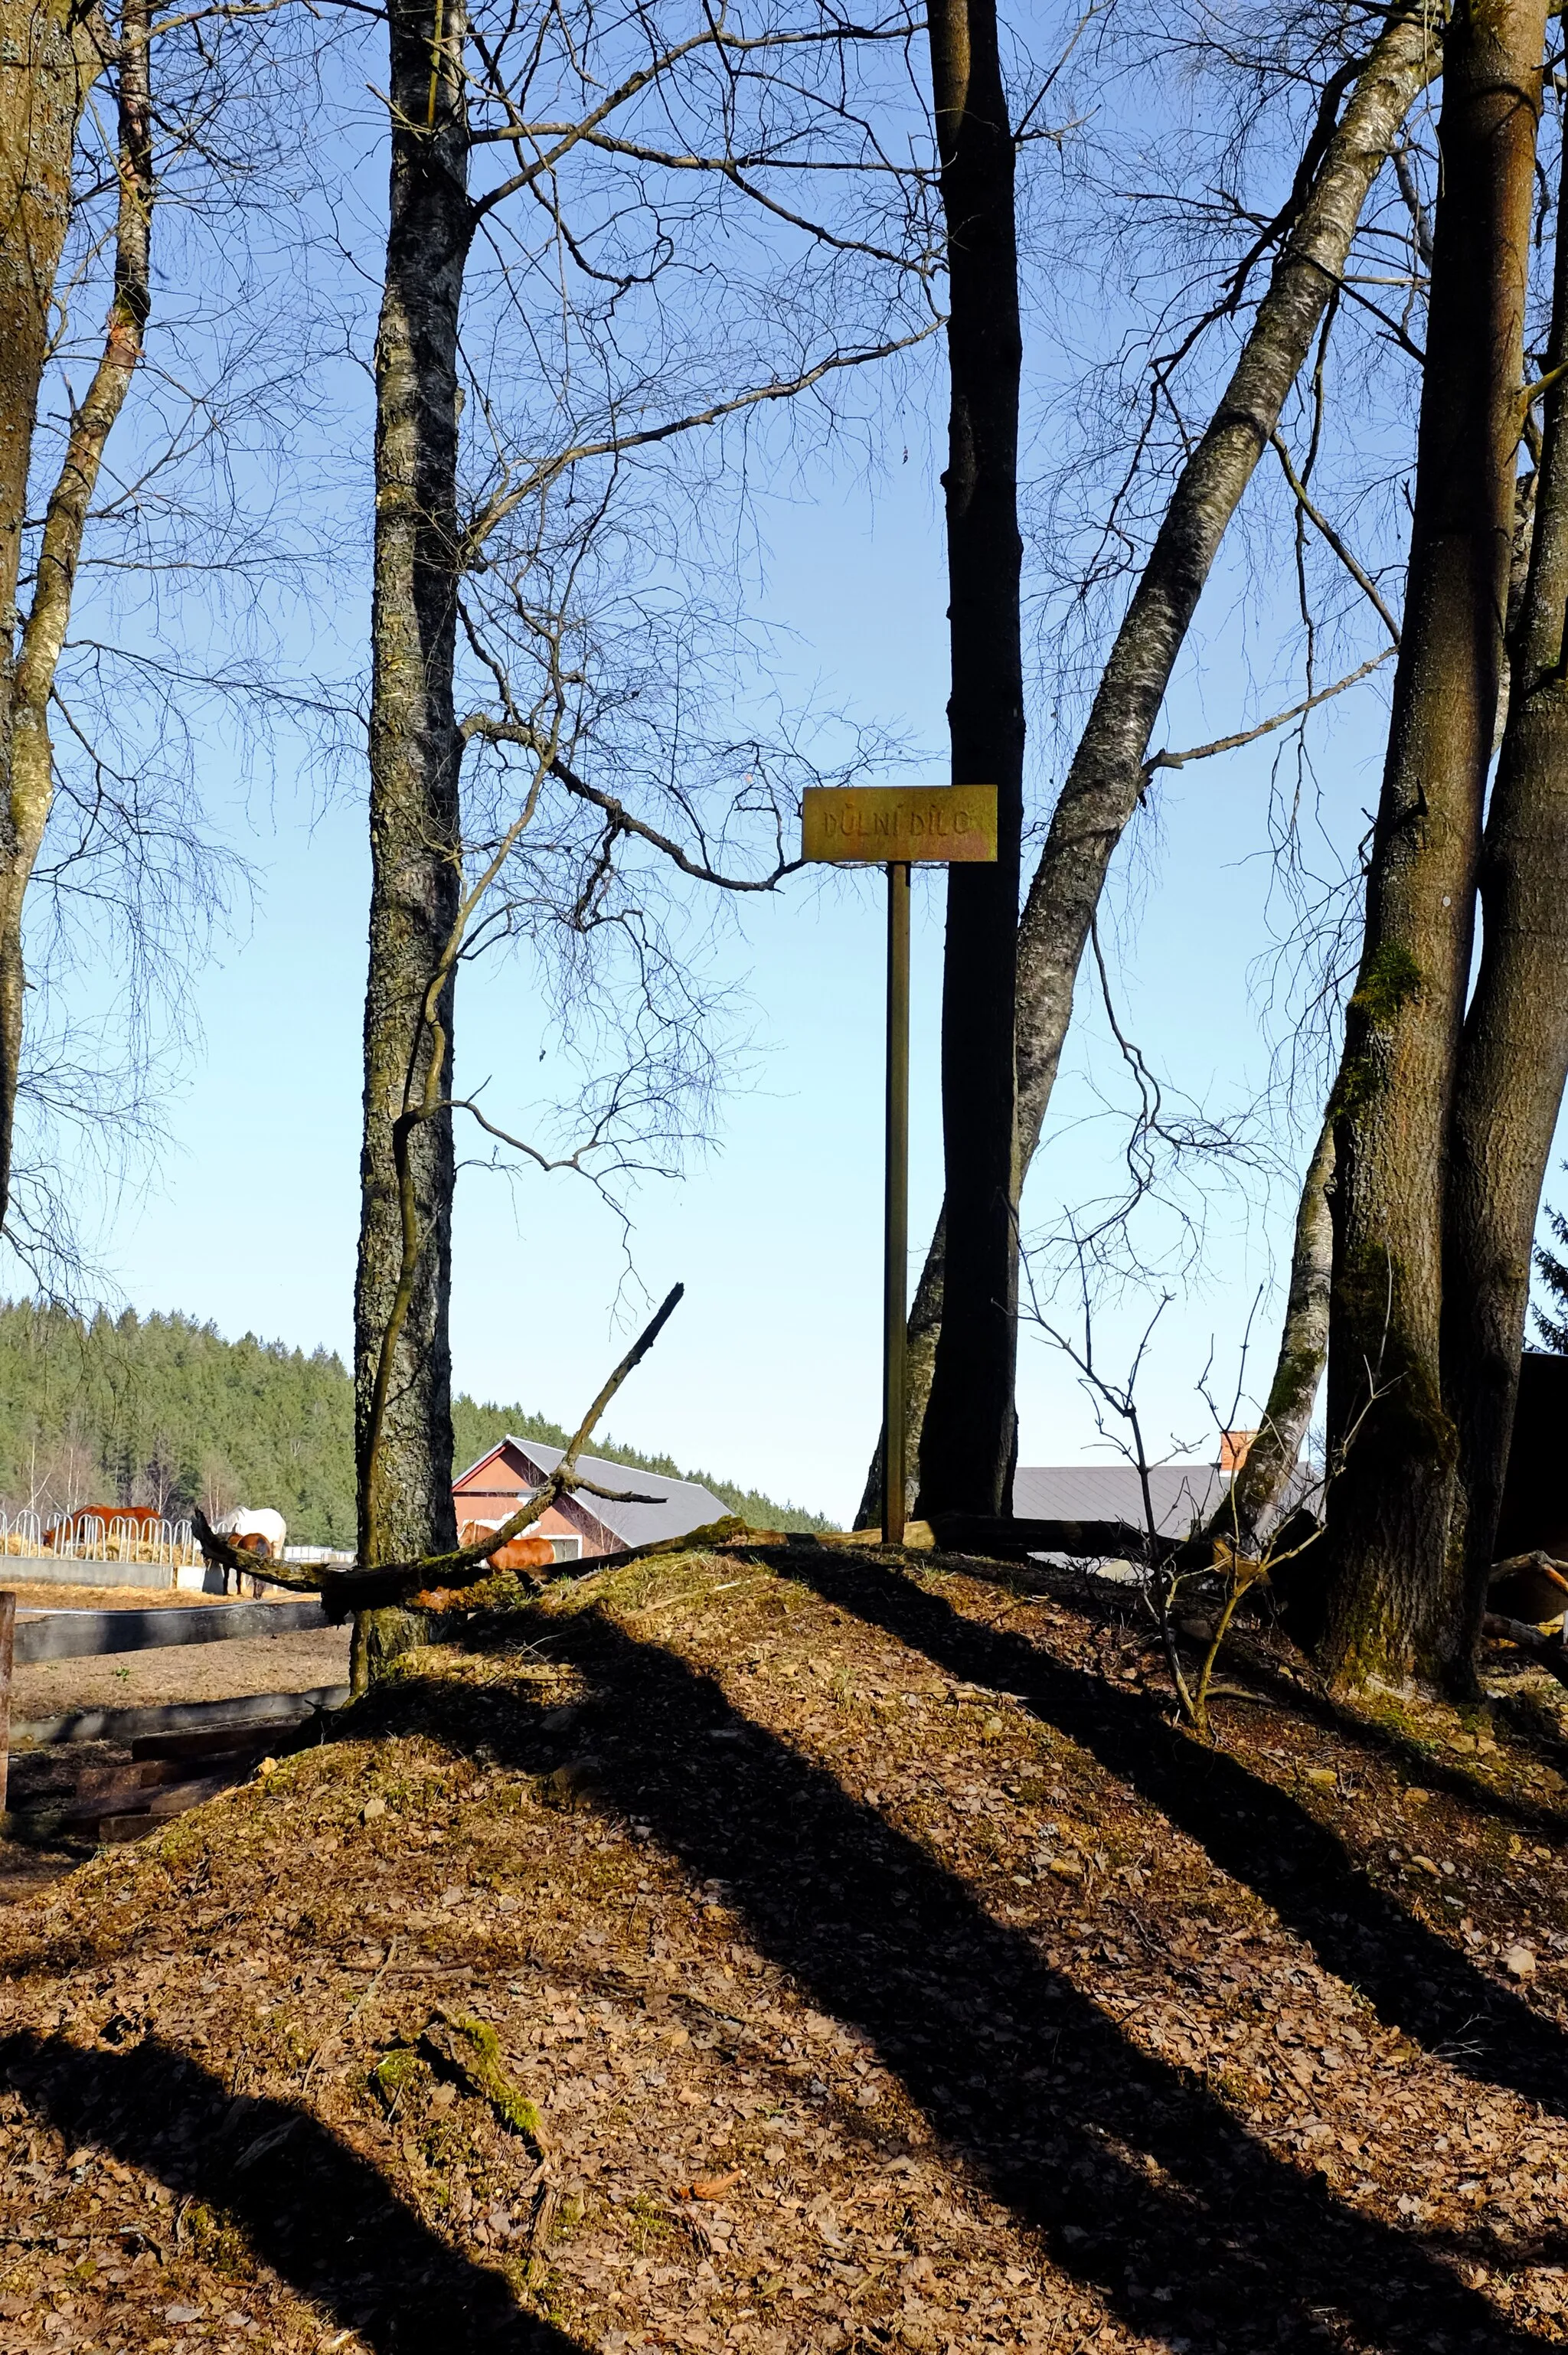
x=163, y=1411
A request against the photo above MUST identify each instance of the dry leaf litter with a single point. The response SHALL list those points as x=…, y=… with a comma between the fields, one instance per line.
x=801, y=1953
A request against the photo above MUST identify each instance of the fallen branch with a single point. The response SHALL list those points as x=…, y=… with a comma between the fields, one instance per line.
x=358, y=1588
x=1548, y=1650
x=1529, y=1586
x=299, y=1578
x=1007, y=1539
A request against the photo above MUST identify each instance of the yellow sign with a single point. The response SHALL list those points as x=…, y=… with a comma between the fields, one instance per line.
x=931, y=825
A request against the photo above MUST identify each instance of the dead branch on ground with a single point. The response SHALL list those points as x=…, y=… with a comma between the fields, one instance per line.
x=343, y=1591
x=1548, y=1652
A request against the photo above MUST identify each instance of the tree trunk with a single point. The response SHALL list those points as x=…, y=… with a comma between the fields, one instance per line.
x=403, y=1363
x=1390, y=1607
x=1513, y=1055
x=1255, y=1492
x=925, y=1324
x=969, y=1437
x=1106, y=781
x=50, y=56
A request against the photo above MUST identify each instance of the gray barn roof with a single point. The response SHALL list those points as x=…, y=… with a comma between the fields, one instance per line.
x=1180, y=1493
x=683, y=1504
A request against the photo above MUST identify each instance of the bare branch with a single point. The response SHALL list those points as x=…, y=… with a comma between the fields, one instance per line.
x=1358, y=572
x=480, y=726
x=616, y=445
x=1267, y=727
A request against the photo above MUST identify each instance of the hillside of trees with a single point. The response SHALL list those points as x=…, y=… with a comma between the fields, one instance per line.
x=163, y=1411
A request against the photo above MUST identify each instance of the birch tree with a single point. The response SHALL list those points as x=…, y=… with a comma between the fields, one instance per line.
x=50, y=59
x=121, y=498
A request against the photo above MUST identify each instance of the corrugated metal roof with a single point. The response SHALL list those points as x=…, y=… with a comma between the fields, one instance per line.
x=1181, y=1494
x=683, y=1504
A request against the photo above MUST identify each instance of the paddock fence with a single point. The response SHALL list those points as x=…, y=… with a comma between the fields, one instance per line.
x=91, y=1536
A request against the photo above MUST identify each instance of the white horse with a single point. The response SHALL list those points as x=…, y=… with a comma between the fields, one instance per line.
x=254, y=1528
x=255, y=1521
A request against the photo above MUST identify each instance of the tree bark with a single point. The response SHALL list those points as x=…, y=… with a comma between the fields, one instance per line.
x=50, y=55
x=1514, y=1054
x=403, y=1408
x=1393, y=1445
x=920, y=1356
x=1255, y=1493
x=969, y=1437
x=1106, y=781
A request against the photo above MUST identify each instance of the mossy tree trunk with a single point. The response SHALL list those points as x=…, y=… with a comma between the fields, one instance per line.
x=969, y=1436
x=403, y=1408
x=50, y=56
x=1513, y=1053
x=1393, y=1445
x=1106, y=781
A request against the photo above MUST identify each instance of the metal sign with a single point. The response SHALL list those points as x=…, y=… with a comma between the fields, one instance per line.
x=895, y=827
x=930, y=824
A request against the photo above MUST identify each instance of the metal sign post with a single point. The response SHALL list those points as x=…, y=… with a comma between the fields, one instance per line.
x=895, y=1210
x=897, y=826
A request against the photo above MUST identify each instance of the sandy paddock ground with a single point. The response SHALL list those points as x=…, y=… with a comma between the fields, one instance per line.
x=184, y=1672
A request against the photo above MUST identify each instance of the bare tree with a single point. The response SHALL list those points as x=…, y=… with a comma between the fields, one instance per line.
x=1513, y=1055
x=969, y=1436
x=493, y=569
x=53, y=58
x=1364, y=103
x=1392, y=1605
x=122, y=495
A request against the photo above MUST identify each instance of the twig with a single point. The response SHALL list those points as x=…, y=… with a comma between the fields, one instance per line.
x=1267, y=727
x=1303, y=498
x=692, y=1594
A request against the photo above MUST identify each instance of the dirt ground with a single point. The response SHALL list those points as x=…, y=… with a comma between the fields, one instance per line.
x=251, y=1664
x=800, y=1953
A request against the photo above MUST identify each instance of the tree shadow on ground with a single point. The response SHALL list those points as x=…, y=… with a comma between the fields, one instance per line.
x=1256, y=1833
x=1244, y=1660
x=313, y=2211
x=1138, y=2180
x=1372, y=1736
x=1531, y=1720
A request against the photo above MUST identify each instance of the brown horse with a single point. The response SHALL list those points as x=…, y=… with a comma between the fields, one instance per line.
x=520, y=1553
x=70, y=1528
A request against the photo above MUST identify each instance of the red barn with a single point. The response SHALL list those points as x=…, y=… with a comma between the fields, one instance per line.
x=581, y=1528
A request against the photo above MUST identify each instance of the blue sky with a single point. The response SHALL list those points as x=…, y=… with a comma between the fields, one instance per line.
x=768, y=1374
